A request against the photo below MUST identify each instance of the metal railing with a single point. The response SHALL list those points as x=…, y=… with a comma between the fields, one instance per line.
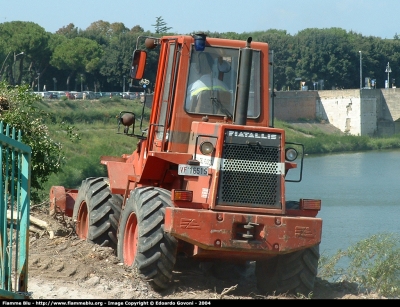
x=15, y=161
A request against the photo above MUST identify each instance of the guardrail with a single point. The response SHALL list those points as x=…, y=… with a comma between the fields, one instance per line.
x=15, y=172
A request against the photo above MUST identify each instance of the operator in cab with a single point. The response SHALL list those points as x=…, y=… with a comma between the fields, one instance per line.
x=204, y=95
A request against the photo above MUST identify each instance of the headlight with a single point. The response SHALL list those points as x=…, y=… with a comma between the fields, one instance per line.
x=291, y=154
x=206, y=148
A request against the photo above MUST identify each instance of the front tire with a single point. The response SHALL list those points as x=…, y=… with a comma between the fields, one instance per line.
x=142, y=241
x=292, y=273
x=96, y=212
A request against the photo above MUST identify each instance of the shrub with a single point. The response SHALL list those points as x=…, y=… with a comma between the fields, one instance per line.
x=47, y=156
x=373, y=263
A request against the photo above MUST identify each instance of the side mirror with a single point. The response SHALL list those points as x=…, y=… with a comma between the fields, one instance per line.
x=138, y=64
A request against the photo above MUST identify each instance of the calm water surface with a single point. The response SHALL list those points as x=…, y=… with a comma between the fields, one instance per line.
x=360, y=195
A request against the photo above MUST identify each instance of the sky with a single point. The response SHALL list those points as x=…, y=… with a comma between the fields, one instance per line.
x=366, y=17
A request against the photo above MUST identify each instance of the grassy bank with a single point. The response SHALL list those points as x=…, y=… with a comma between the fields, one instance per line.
x=318, y=141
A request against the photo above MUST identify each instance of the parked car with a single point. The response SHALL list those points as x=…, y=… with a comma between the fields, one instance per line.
x=61, y=94
x=130, y=95
x=45, y=95
x=89, y=95
x=70, y=95
x=78, y=95
x=106, y=94
x=116, y=94
x=54, y=95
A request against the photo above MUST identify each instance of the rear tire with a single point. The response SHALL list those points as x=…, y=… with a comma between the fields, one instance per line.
x=96, y=212
x=292, y=273
x=142, y=242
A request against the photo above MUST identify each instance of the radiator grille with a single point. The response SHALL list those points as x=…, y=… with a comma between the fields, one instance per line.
x=250, y=176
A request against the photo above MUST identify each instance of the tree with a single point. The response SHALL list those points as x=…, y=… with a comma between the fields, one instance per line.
x=27, y=37
x=118, y=28
x=69, y=31
x=285, y=57
x=161, y=26
x=19, y=112
x=324, y=54
x=77, y=55
x=117, y=58
x=106, y=29
x=137, y=29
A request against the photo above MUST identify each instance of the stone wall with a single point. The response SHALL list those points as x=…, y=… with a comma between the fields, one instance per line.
x=294, y=105
x=365, y=112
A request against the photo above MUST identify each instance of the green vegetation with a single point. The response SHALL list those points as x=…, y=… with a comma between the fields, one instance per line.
x=374, y=265
x=98, y=58
x=17, y=109
x=161, y=26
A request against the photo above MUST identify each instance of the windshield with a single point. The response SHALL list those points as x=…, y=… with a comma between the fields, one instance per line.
x=213, y=81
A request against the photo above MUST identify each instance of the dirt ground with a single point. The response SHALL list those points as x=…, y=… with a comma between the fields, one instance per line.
x=65, y=267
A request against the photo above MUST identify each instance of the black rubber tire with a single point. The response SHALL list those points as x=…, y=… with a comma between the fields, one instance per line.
x=104, y=210
x=292, y=273
x=156, y=251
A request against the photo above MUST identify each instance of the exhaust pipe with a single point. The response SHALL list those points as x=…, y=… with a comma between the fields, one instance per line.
x=243, y=86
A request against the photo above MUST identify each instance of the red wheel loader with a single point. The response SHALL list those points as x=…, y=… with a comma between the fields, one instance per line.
x=207, y=178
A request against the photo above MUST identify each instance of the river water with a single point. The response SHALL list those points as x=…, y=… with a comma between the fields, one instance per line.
x=360, y=195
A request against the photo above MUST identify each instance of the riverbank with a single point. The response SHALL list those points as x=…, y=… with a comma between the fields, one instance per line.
x=323, y=138
x=315, y=126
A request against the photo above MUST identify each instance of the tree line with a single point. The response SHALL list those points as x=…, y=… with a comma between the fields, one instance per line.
x=98, y=58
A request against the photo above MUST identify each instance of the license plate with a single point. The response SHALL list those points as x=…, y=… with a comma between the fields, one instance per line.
x=192, y=170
